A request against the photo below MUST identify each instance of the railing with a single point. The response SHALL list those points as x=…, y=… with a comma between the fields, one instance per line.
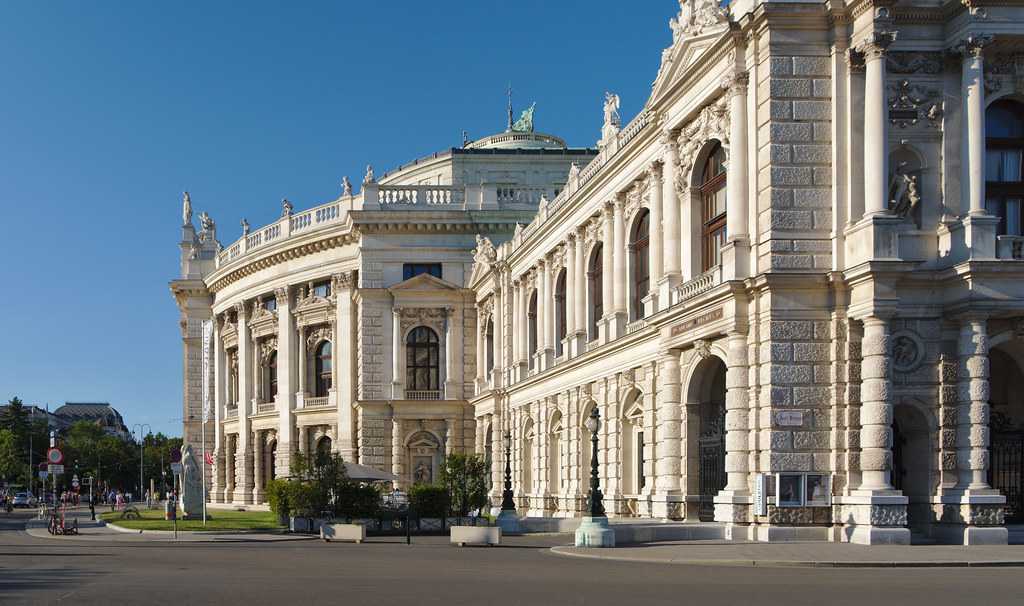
x=423, y=395
x=702, y=283
x=265, y=407
x=513, y=194
x=231, y=413
x=636, y=326
x=316, y=402
x=1010, y=247
x=634, y=128
x=284, y=228
x=419, y=195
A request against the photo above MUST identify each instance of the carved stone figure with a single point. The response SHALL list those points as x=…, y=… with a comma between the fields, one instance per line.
x=485, y=252
x=421, y=475
x=904, y=195
x=611, y=110
x=346, y=187
x=368, y=177
x=906, y=352
x=245, y=227
x=191, y=485
x=525, y=122
x=206, y=224
x=574, y=176
x=186, y=210
x=286, y=208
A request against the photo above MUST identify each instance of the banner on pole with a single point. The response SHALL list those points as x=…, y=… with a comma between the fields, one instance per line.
x=207, y=340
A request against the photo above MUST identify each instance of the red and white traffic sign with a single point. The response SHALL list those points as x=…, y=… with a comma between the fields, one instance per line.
x=54, y=456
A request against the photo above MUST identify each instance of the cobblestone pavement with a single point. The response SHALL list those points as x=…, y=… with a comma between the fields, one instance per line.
x=92, y=570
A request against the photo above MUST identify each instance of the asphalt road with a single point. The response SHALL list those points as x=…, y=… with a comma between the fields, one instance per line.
x=38, y=571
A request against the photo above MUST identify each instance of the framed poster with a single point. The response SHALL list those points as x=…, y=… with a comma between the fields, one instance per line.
x=790, y=490
x=817, y=490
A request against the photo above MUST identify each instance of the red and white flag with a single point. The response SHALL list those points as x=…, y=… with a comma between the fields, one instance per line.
x=209, y=458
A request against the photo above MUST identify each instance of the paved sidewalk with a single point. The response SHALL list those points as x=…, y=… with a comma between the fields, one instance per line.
x=806, y=554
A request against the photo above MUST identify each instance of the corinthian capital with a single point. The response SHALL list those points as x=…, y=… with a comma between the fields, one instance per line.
x=735, y=83
x=973, y=46
x=281, y=294
x=876, y=45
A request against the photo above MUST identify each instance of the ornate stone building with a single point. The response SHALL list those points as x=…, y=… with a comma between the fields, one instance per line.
x=793, y=286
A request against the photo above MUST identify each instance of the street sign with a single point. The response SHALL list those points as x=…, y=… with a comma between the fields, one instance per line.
x=176, y=468
x=43, y=474
x=54, y=456
x=74, y=483
x=55, y=468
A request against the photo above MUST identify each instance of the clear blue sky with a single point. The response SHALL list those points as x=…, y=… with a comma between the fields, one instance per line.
x=109, y=110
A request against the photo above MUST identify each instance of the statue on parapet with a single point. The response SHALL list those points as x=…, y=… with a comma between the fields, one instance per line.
x=368, y=177
x=245, y=227
x=346, y=187
x=206, y=224
x=186, y=210
x=611, y=110
x=286, y=208
x=525, y=122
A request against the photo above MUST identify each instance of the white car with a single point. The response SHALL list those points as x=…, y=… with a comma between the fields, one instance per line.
x=24, y=499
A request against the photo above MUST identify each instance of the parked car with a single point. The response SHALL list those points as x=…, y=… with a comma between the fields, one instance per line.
x=24, y=499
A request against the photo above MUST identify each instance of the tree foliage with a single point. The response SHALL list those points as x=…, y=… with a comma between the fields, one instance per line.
x=465, y=478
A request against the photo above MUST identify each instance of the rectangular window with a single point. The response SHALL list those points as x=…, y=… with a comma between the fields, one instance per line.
x=411, y=270
x=322, y=289
x=270, y=304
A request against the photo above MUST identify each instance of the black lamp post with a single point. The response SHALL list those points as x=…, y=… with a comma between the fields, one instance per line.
x=508, y=501
x=593, y=424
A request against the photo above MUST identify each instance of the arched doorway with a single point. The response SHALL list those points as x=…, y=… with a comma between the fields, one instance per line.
x=323, y=449
x=1006, y=467
x=912, y=455
x=706, y=401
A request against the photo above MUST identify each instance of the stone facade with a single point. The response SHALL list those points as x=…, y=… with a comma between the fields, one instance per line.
x=782, y=285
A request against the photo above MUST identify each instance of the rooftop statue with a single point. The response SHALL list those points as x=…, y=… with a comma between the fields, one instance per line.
x=346, y=186
x=369, y=178
x=206, y=224
x=695, y=16
x=611, y=110
x=286, y=208
x=186, y=210
x=245, y=227
x=525, y=122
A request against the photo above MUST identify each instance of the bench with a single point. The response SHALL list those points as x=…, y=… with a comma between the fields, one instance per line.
x=476, y=535
x=343, y=532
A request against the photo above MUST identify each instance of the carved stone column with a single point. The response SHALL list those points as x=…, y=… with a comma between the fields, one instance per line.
x=608, y=272
x=219, y=394
x=656, y=252
x=876, y=125
x=732, y=504
x=397, y=392
x=246, y=364
x=672, y=244
x=979, y=226
x=229, y=469
x=287, y=350
x=499, y=335
x=257, y=468
x=452, y=352
x=667, y=501
x=736, y=252
x=579, y=303
x=619, y=254
x=344, y=350
x=571, y=278
x=397, y=452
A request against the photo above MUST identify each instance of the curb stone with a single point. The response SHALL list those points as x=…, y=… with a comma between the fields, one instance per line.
x=568, y=552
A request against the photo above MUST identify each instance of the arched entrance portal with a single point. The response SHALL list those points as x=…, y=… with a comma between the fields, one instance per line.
x=706, y=401
x=1006, y=468
x=912, y=464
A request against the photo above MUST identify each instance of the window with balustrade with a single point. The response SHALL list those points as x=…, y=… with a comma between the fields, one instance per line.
x=712, y=195
x=531, y=324
x=560, y=313
x=422, y=360
x=1004, y=183
x=322, y=370
x=595, y=291
x=639, y=248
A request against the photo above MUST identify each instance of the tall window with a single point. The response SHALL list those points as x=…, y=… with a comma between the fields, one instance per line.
x=639, y=246
x=323, y=450
x=595, y=288
x=489, y=345
x=270, y=304
x=1004, y=183
x=560, y=313
x=322, y=289
x=411, y=270
x=531, y=315
x=270, y=372
x=322, y=367
x=422, y=360
x=233, y=378
x=712, y=193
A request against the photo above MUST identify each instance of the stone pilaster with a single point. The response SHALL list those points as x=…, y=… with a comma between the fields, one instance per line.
x=732, y=504
x=667, y=499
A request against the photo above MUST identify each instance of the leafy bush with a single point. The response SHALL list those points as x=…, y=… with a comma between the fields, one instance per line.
x=277, y=497
x=356, y=500
x=429, y=500
x=465, y=478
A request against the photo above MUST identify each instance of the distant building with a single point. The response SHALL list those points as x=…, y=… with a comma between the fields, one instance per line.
x=101, y=413
x=36, y=413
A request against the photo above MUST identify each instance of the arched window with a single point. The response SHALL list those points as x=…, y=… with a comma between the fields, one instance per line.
x=422, y=360
x=233, y=378
x=1004, y=183
x=595, y=291
x=712, y=194
x=489, y=345
x=560, y=313
x=323, y=450
x=322, y=368
x=555, y=454
x=531, y=315
x=639, y=246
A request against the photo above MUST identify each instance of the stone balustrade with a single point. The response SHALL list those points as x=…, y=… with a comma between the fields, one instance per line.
x=423, y=395
x=701, y=284
x=1010, y=247
x=322, y=402
x=266, y=407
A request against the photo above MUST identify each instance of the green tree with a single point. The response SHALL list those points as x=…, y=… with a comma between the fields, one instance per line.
x=465, y=477
x=15, y=419
x=11, y=467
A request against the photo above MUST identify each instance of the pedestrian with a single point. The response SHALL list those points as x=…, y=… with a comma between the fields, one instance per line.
x=92, y=508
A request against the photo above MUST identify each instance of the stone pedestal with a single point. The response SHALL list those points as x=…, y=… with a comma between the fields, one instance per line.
x=594, y=532
x=875, y=519
x=668, y=506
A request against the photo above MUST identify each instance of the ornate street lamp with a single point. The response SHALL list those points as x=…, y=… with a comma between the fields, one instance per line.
x=508, y=521
x=593, y=530
x=593, y=424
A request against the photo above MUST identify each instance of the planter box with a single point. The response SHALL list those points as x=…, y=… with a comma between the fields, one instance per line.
x=476, y=535
x=343, y=532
